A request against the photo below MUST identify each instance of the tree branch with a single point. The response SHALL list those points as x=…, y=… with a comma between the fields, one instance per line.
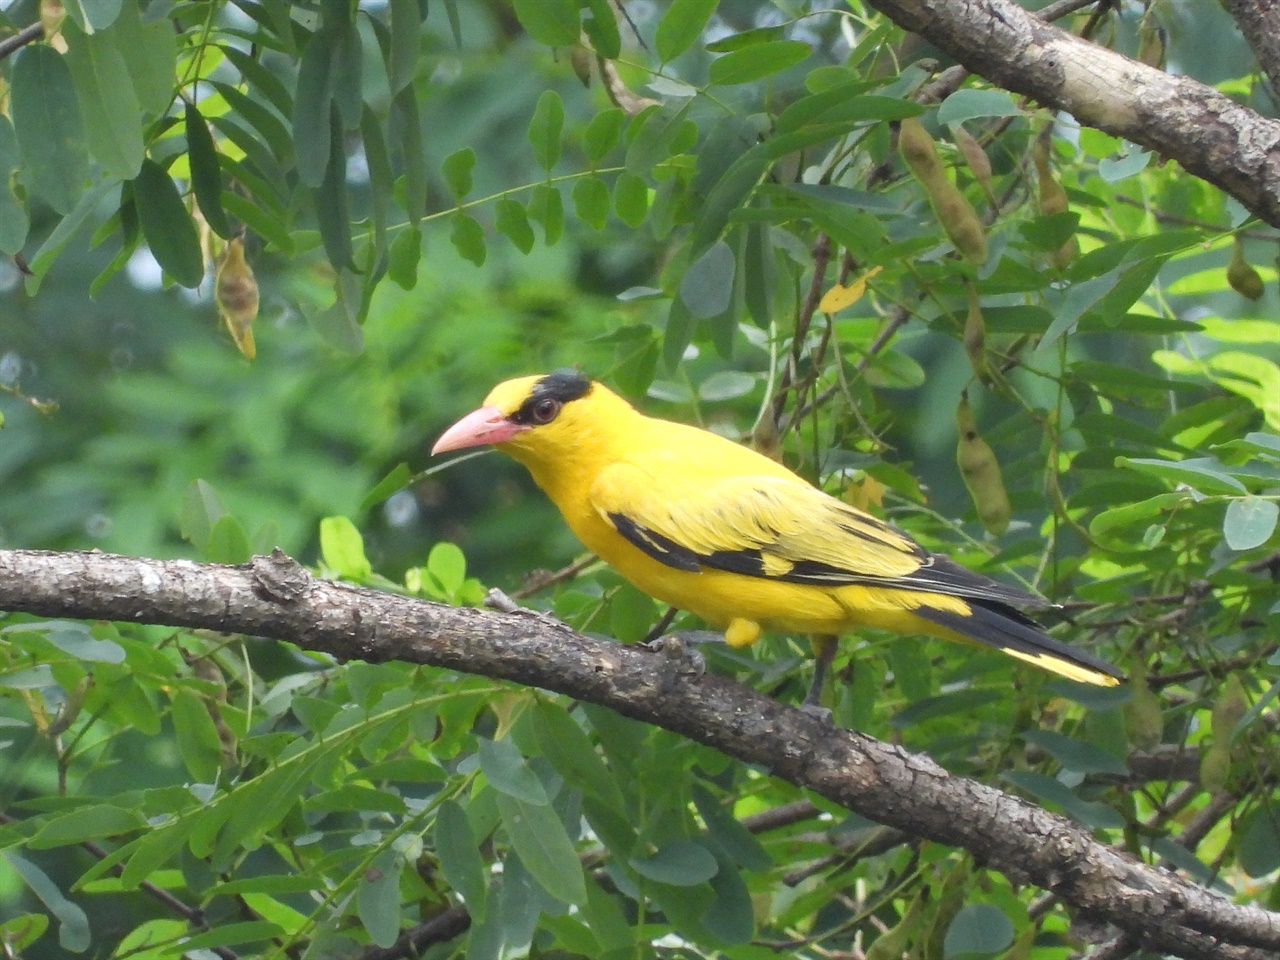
x=1259, y=21
x=274, y=597
x=1208, y=133
x=26, y=35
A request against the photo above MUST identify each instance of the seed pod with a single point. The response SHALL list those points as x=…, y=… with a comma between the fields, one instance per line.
x=1143, y=718
x=981, y=473
x=1244, y=280
x=236, y=293
x=975, y=157
x=1215, y=767
x=582, y=60
x=1230, y=707
x=954, y=212
x=975, y=337
x=1053, y=199
x=960, y=221
x=919, y=151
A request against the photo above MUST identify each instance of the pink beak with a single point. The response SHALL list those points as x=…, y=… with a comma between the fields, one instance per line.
x=477, y=428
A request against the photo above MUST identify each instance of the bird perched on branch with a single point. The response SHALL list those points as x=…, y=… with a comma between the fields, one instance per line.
x=714, y=528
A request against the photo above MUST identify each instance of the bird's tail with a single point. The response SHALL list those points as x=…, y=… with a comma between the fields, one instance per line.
x=1006, y=629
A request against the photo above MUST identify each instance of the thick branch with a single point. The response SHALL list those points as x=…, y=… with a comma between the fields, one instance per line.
x=1259, y=21
x=1208, y=133
x=274, y=597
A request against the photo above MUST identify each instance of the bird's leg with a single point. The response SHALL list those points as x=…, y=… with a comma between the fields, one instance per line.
x=740, y=633
x=660, y=627
x=495, y=599
x=824, y=650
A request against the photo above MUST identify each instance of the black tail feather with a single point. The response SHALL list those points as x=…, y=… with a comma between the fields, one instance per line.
x=1013, y=632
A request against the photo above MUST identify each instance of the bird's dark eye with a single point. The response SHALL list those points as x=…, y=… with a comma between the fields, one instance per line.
x=545, y=410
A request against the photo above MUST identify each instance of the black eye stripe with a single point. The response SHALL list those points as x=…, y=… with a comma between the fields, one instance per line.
x=560, y=388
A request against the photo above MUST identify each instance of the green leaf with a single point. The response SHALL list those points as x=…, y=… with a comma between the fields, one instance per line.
x=1249, y=523
x=86, y=823
x=346, y=66
x=457, y=169
x=602, y=134
x=49, y=126
x=406, y=113
x=406, y=45
x=406, y=254
x=196, y=736
x=13, y=218
x=546, y=128
x=259, y=78
x=378, y=898
x=342, y=549
x=969, y=104
x=601, y=29
x=630, y=199
x=1088, y=812
x=707, y=286
x=726, y=385
x=73, y=924
x=679, y=862
x=332, y=214
x=166, y=225
x=460, y=859
x=206, y=174
x=733, y=838
x=93, y=15
x=381, y=179
x=681, y=25
x=230, y=934
x=201, y=508
x=21, y=931
x=151, y=49
x=747, y=38
x=568, y=748
x=757, y=62
x=547, y=208
x=312, y=98
x=1079, y=756
x=1259, y=841
x=591, y=201
x=513, y=223
x=678, y=334
x=544, y=847
x=653, y=136
x=978, y=930
x=112, y=115
x=74, y=639
x=1204, y=474
x=553, y=22
x=468, y=238
x=448, y=565
x=508, y=773
x=228, y=543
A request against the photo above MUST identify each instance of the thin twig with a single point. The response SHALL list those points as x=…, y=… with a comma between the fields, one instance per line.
x=27, y=34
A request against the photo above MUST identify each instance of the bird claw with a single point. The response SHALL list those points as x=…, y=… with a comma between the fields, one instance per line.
x=818, y=712
x=682, y=648
x=495, y=599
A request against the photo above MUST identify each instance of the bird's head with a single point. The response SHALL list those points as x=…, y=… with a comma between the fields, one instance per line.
x=541, y=418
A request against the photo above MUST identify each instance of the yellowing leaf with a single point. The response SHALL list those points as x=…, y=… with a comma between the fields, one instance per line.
x=839, y=296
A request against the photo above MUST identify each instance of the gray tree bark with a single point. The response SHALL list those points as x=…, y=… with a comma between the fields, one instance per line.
x=274, y=597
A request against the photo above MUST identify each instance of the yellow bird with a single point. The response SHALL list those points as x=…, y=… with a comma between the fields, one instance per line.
x=711, y=527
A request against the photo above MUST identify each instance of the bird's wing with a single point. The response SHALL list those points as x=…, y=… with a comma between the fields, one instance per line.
x=776, y=528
